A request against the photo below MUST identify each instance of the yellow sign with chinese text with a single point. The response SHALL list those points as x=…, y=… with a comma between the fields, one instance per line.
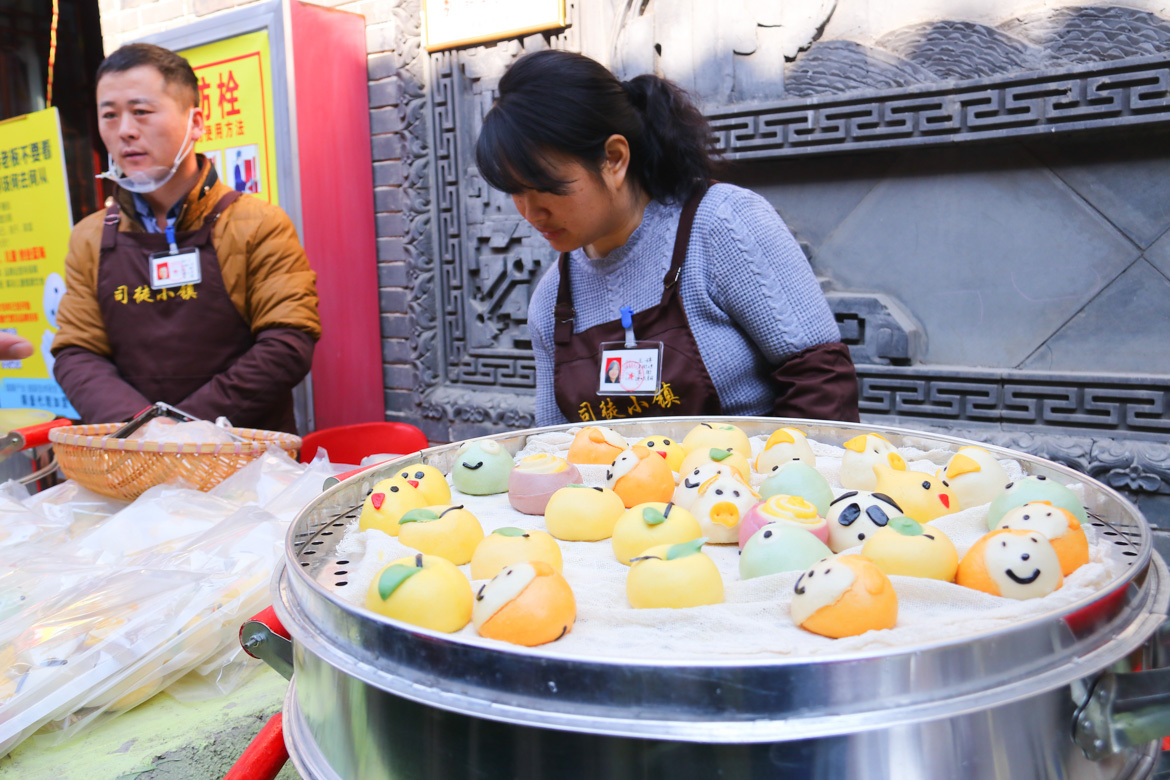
x=235, y=93
x=35, y=221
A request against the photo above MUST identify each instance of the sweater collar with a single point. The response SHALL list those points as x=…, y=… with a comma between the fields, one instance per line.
x=654, y=213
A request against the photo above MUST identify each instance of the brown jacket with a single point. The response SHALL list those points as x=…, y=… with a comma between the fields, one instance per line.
x=265, y=273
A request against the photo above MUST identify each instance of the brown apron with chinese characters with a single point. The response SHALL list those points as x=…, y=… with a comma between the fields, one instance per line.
x=686, y=387
x=168, y=343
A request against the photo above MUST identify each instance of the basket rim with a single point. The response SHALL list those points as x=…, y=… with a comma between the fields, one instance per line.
x=96, y=436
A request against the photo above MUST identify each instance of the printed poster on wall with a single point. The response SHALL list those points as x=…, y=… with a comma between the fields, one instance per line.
x=235, y=92
x=35, y=221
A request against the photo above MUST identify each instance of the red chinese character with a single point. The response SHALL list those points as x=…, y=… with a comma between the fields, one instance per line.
x=227, y=94
x=205, y=98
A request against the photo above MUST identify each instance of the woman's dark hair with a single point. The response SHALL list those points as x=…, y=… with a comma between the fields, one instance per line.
x=174, y=69
x=561, y=102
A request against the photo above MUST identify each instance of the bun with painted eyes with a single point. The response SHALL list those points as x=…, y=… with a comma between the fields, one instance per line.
x=387, y=503
x=595, y=446
x=640, y=476
x=776, y=548
x=1013, y=563
x=856, y=516
x=721, y=505
x=732, y=458
x=862, y=453
x=526, y=604
x=481, y=468
x=1034, y=488
x=844, y=596
x=782, y=510
x=975, y=475
x=922, y=496
x=785, y=446
x=668, y=448
x=506, y=546
x=1058, y=525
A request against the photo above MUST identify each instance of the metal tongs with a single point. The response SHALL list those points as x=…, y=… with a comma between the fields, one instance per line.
x=166, y=410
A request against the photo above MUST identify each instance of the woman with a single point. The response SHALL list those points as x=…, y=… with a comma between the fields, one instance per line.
x=727, y=315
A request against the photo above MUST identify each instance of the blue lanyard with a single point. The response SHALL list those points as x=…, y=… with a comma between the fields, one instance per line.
x=171, y=238
x=628, y=324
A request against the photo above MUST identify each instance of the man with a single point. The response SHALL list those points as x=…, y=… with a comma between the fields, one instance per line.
x=182, y=290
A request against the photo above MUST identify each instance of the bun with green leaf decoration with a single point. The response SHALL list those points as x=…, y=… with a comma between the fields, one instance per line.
x=423, y=590
x=651, y=524
x=449, y=532
x=673, y=576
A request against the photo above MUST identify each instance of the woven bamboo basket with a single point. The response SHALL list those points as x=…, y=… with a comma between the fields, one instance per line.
x=126, y=468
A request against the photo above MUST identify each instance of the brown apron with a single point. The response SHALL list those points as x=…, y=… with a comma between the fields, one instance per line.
x=686, y=387
x=169, y=343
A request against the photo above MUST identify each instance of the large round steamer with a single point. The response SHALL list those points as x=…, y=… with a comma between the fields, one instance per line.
x=372, y=697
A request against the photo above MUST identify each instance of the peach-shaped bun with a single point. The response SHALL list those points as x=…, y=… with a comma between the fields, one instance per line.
x=577, y=513
x=535, y=478
x=423, y=590
x=449, y=532
x=673, y=576
x=427, y=479
x=784, y=446
x=648, y=525
x=856, y=516
x=668, y=448
x=862, y=453
x=690, y=481
x=721, y=435
x=481, y=468
x=1013, y=563
x=777, y=548
x=796, y=478
x=784, y=510
x=922, y=496
x=721, y=504
x=640, y=476
x=719, y=455
x=911, y=549
x=1034, y=488
x=975, y=475
x=844, y=596
x=527, y=603
x=387, y=503
x=505, y=546
x=1060, y=527
x=596, y=446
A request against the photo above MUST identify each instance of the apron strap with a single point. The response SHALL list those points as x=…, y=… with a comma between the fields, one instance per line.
x=564, y=314
x=110, y=226
x=682, y=239
x=210, y=220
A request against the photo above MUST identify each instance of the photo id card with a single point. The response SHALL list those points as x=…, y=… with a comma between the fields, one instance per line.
x=167, y=270
x=633, y=370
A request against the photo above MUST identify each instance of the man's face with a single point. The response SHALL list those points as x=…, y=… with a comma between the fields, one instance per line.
x=142, y=119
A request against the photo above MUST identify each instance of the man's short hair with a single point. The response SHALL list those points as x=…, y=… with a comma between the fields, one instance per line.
x=174, y=69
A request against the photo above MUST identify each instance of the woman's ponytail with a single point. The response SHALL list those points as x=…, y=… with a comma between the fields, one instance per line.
x=674, y=157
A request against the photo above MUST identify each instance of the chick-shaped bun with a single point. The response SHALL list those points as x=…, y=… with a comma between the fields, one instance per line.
x=844, y=596
x=668, y=448
x=975, y=475
x=673, y=576
x=1034, y=488
x=911, y=549
x=721, y=504
x=1058, y=525
x=856, y=516
x=527, y=603
x=505, y=546
x=721, y=435
x=922, y=496
x=535, y=478
x=724, y=457
x=387, y=503
x=426, y=479
x=784, y=446
x=690, y=481
x=797, y=478
x=447, y=531
x=649, y=525
x=791, y=511
x=862, y=453
x=578, y=513
x=596, y=446
x=639, y=476
x=481, y=468
x=423, y=590
x=1013, y=563
x=779, y=548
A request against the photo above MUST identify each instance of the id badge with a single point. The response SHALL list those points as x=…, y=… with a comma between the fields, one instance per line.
x=626, y=370
x=167, y=270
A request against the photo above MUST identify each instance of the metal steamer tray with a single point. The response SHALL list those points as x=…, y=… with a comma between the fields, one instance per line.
x=1055, y=696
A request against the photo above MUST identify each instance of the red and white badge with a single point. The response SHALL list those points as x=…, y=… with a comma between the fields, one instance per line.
x=167, y=270
x=630, y=370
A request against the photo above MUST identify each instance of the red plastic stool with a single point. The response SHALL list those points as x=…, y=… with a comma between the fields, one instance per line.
x=351, y=443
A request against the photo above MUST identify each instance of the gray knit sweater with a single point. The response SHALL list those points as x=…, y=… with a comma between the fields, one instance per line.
x=750, y=295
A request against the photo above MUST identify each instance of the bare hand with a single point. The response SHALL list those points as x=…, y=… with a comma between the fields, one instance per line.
x=13, y=347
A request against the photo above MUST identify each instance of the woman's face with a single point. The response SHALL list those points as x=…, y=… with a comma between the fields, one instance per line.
x=614, y=371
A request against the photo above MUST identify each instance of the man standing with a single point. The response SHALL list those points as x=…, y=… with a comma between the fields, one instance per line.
x=182, y=290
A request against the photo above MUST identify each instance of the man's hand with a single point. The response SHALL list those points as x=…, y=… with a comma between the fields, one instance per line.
x=13, y=347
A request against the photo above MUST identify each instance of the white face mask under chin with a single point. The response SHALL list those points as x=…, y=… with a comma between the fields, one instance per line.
x=151, y=179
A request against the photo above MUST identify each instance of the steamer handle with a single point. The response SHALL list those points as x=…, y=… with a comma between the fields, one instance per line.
x=265, y=638
x=265, y=755
x=35, y=435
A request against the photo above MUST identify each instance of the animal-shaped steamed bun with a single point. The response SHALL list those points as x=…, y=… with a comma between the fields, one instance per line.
x=1034, y=488
x=844, y=596
x=797, y=478
x=668, y=448
x=690, y=482
x=720, y=435
x=975, y=475
x=639, y=476
x=427, y=479
x=862, y=453
x=577, y=513
x=1013, y=563
x=856, y=516
x=535, y=478
x=387, y=503
x=595, y=446
x=779, y=548
x=674, y=576
x=1058, y=525
x=784, y=446
x=698, y=457
x=780, y=510
x=526, y=604
x=722, y=502
x=911, y=549
x=481, y=468
x=922, y=496
x=505, y=546
x=423, y=590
